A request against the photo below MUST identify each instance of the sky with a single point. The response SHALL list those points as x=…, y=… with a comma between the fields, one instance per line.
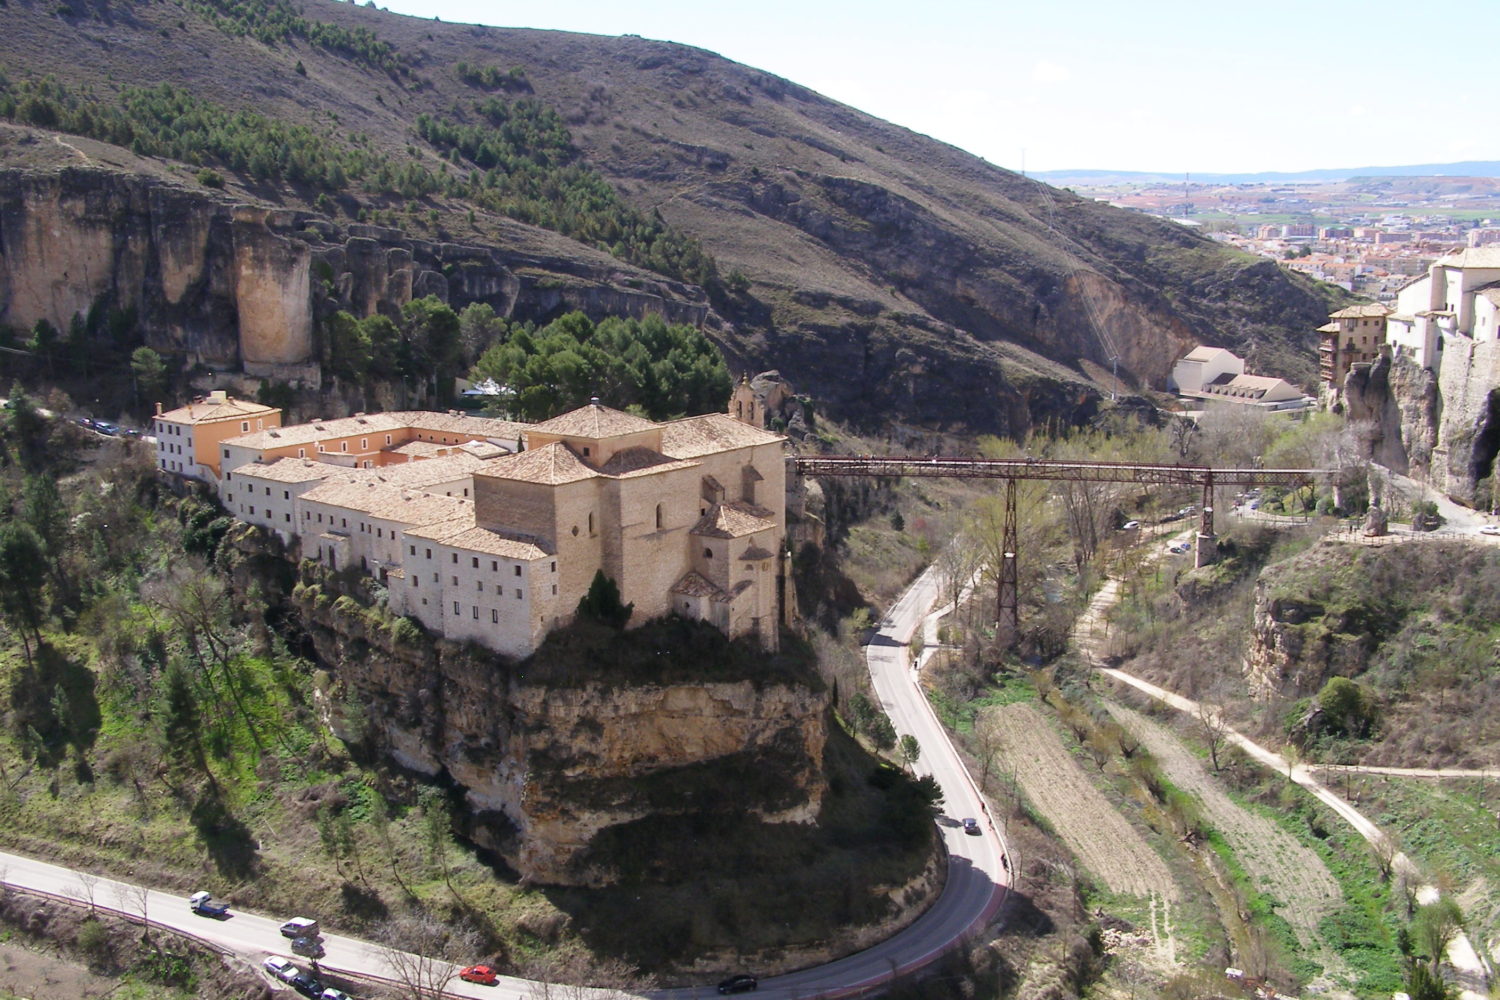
x=1180, y=86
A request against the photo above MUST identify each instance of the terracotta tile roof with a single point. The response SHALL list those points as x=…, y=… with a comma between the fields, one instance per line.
x=694, y=584
x=733, y=520
x=202, y=411
x=641, y=462
x=463, y=533
x=293, y=470
x=550, y=465
x=426, y=472
x=692, y=437
x=461, y=424
x=1372, y=310
x=318, y=430
x=382, y=423
x=387, y=502
x=1473, y=257
x=595, y=421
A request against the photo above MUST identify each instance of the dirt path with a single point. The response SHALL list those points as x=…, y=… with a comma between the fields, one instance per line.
x=1283, y=869
x=1086, y=821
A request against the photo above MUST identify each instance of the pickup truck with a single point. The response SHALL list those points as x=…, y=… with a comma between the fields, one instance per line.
x=203, y=904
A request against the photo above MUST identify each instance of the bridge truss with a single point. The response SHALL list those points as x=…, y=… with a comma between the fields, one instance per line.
x=1011, y=470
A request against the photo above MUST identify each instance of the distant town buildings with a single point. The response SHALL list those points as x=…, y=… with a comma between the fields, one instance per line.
x=491, y=531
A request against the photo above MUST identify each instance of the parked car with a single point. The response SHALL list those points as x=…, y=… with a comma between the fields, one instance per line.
x=738, y=984
x=332, y=994
x=306, y=985
x=283, y=969
x=300, y=927
x=203, y=904
x=971, y=826
x=1489, y=529
x=106, y=428
x=1130, y=526
x=481, y=974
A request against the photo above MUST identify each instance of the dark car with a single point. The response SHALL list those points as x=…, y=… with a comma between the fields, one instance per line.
x=307, y=985
x=738, y=984
x=971, y=826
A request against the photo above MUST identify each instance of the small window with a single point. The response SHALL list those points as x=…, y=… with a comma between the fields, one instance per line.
x=414, y=580
x=413, y=549
x=476, y=562
x=343, y=446
x=479, y=585
x=226, y=452
x=554, y=566
x=364, y=444
x=429, y=553
x=591, y=524
x=435, y=578
x=244, y=426
x=585, y=452
x=476, y=612
x=658, y=517
x=554, y=590
x=252, y=511
x=494, y=566
x=286, y=494
x=518, y=570
x=495, y=615
x=455, y=581
x=301, y=452
x=455, y=608
x=518, y=593
x=708, y=553
x=455, y=558
x=387, y=439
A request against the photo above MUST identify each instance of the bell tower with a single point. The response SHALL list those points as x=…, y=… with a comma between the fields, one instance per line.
x=743, y=406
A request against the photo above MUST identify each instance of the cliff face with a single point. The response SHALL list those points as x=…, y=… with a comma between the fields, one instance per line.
x=1445, y=427
x=545, y=769
x=240, y=287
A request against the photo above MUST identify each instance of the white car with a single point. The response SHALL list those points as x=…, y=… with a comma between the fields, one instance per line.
x=283, y=969
x=1489, y=529
x=1130, y=525
x=333, y=994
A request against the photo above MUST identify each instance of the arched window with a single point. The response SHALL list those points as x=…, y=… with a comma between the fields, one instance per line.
x=658, y=517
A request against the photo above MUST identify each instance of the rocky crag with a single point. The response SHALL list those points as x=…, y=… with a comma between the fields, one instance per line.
x=237, y=287
x=550, y=770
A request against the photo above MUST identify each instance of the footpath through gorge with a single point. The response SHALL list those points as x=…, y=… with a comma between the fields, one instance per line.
x=1088, y=639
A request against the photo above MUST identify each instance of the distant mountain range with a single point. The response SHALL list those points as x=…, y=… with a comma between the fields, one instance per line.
x=1467, y=168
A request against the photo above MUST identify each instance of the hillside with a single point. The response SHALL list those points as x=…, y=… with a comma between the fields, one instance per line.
x=902, y=279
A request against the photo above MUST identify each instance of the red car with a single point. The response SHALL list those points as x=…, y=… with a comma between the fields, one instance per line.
x=481, y=974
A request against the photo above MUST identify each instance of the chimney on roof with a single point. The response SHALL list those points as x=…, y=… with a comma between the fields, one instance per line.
x=218, y=396
x=158, y=408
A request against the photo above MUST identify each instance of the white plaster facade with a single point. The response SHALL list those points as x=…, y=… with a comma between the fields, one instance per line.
x=1203, y=365
x=1455, y=299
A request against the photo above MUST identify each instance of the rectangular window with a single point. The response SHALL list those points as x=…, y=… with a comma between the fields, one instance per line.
x=518, y=570
x=244, y=426
x=495, y=615
x=554, y=590
x=518, y=593
x=364, y=444
x=301, y=452
x=288, y=518
x=455, y=608
x=476, y=612
x=479, y=586
x=387, y=439
x=494, y=566
x=286, y=494
x=475, y=561
x=554, y=566
x=455, y=558
x=252, y=511
x=414, y=580
x=434, y=578
x=413, y=549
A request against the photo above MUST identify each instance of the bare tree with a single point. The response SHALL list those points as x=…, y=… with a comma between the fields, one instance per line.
x=987, y=743
x=420, y=951
x=87, y=887
x=134, y=899
x=1215, y=730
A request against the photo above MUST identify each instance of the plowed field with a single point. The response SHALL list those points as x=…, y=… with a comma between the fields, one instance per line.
x=1057, y=787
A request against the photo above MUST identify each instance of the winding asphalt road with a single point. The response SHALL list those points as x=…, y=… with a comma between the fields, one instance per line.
x=976, y=882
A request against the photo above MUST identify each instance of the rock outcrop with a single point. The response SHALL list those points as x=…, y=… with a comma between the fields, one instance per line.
x=547, y=768
x=240, y=287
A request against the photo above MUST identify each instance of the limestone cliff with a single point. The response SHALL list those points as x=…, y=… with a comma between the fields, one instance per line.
x=545, y=767
x=240, y=287
x=1444, y=428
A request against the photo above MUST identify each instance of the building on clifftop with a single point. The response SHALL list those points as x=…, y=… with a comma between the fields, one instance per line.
x=686, y=516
